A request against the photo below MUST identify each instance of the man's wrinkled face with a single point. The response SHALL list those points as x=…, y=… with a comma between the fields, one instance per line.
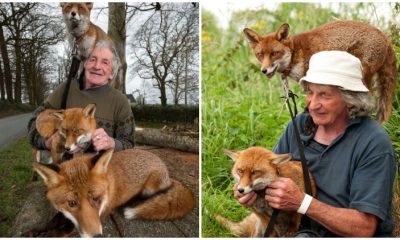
x=98, y=68
x=325, y=104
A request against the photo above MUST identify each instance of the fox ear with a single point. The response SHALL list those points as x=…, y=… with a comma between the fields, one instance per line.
x=90, y=110
x=283, y=32
x=281, y=158
x=252, y=36
x=62, y=4
x=50, y=176
x=89, y=5
x=101, y=165
x=232, y=154
x=58, y=114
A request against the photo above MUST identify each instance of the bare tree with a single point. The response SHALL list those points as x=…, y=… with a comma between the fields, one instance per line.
x=4, y=21
x=29, y=32
x=160, y=42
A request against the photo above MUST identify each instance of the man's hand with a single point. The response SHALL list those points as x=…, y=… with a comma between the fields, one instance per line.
x=284, y=194
x=246, y=200
x=101, y=140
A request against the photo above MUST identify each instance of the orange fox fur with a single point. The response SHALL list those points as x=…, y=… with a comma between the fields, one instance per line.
x=74, y=127
x=86, y=189
x=254, y=169
x=77, y=18
x=290, y=55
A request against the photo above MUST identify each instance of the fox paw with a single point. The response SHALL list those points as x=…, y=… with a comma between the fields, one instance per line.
x=129, y=213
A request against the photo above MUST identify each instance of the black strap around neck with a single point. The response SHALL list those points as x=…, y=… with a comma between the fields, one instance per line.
x=307, y=182
x=71, y=75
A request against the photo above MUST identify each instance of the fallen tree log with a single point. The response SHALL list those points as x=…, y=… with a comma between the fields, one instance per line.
x=173, y=140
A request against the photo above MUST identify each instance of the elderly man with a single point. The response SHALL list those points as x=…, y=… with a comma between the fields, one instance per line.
x=114, y=116
x=350, y=156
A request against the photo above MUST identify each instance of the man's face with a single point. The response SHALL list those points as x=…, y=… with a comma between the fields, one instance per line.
x=325, y=104
x=98, y=68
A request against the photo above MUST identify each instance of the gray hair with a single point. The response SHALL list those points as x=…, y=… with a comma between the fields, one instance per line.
x=361, y=103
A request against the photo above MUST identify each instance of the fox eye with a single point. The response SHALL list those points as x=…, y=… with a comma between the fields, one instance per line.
x=240, y=171
x=274, y=53
x=72, y=203
x=96, y=200
x=259, y=55
x=254, y=172
x=76, y=131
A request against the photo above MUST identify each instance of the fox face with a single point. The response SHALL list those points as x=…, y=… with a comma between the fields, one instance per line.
x=79, y=189
x=255, y=167
x=76, y=128
x=272, y=51
x=76, y=16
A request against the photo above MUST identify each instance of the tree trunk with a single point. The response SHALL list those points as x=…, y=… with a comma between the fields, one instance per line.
x=18, y=70
x=186, y=75
x=176, y=90
x=163, y=95
x=117, y=31
x=2, y=89
x=174, y=140
x=6, y=65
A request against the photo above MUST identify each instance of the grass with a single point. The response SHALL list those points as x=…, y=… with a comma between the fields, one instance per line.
x=238, y=111
x=15, y=173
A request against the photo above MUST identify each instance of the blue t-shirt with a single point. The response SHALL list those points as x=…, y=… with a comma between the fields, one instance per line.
x=355, y=171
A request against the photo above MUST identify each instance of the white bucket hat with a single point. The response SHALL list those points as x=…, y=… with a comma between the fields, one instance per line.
x=337, y=68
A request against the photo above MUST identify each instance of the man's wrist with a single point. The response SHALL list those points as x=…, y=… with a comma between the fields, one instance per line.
x=305, y=204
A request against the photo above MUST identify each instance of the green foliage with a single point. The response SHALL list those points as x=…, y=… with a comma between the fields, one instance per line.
x=169, y=113
x=240, y=107
x=15, y=173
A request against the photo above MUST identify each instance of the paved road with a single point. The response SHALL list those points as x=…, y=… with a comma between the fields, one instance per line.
x=13, y=128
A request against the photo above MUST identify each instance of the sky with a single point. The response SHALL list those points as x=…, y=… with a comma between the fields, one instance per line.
x=223, y=9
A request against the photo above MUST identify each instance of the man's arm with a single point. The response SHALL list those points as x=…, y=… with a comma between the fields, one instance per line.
x=124, y=135
x=343, y=221
x=34, y=138
x=284, y=194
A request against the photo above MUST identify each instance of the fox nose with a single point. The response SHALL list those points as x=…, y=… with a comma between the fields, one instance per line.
x=73, y=14
x=241, y=190
x=67, y=148
x=264, y=71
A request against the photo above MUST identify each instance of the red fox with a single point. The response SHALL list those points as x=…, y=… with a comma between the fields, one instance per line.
x=289, y=56
x=86, y=34
x=254, y=169
x=86, y=188
x=74, y=128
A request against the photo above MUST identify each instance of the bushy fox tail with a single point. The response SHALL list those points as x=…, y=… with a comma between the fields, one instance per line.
x=386, y=86
x=250, y=226
x=173, y=203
